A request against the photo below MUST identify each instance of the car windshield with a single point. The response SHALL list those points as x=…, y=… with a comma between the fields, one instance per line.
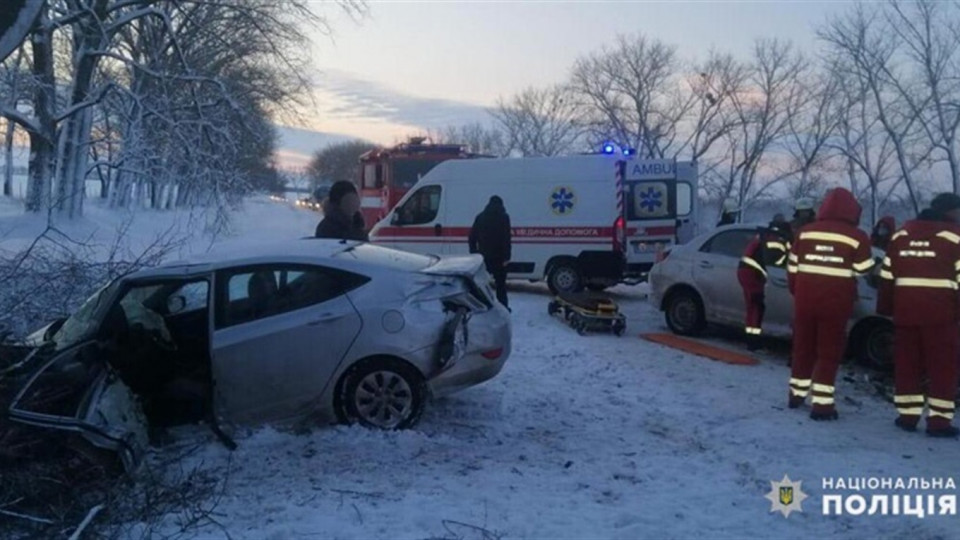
x=84, y=320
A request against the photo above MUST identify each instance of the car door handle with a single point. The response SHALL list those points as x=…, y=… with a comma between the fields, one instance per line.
x=706, y=264
x=438, y=230
x=325, y=317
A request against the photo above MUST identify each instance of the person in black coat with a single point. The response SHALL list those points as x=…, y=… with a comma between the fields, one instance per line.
x=341, y=214
x=490, y=237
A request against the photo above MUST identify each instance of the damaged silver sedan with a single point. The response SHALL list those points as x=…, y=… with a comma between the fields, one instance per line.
x=352, y=332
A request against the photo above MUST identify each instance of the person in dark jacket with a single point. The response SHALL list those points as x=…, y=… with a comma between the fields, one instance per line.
x=341, y=214
x=490, y=237
x=882, y=231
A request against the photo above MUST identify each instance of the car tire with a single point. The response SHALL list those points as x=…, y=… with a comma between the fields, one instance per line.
x=875, y=346
x=383, y=393
x=683, y=311
x=564, y=277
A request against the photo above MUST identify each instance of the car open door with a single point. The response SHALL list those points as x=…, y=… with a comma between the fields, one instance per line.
x=76, y=391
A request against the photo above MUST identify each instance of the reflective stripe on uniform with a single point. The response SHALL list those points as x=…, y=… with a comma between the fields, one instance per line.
x=800, y=387
x=821, y=400
x=794, y=258
x=908, y=398
x=753, y=331
x=956, y=266
x=941, y=403
x=864, y=266
x=776, y=245
x=910, y=411
x=754, y=264
x=947, y=415
x=825, y=270
x=884, y=274
x=830, y=237
x=817, y=387
x=928, y=283
x=909, y=404
x=949, y=236
x=898, y=234
x=792, y=268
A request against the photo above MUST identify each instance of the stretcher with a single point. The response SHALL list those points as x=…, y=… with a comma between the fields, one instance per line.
x=586, y=312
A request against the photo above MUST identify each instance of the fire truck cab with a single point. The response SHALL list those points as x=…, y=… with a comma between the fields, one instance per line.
x=386, y=174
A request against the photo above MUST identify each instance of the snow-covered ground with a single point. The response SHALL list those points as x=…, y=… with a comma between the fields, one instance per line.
x=578, y=437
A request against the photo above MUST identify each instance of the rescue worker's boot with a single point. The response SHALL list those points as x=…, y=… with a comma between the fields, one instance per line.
x=907, y=423
x=824, y=413
x=941, y=427
x=795, y=402
x=949, y=432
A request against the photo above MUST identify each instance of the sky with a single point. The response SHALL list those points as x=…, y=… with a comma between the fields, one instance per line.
x=408, y=66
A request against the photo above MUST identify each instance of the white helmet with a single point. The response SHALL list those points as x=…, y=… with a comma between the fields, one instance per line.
x=730, y=206
x=804, y=203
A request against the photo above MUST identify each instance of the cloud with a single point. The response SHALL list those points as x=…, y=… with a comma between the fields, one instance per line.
x=358, y=99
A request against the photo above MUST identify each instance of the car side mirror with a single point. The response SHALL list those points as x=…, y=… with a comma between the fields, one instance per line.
x=176, y=304
x=395, y=219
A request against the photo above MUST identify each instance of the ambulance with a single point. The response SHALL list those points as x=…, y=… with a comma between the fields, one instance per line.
x=578, y=221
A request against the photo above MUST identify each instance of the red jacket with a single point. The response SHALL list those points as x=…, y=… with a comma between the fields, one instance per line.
x=919, y=279
x=828, y=255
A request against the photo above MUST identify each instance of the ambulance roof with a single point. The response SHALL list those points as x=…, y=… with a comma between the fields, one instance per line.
x=599, y=168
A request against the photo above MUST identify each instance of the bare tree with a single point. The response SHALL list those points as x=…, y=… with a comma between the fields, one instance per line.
x=928, y=39
x=813, y=112
x=630, y=93
x=714, y=83
x=862, y=43
x=476, y=137
x=763, y=115
x=540, y=121
x=340, y=161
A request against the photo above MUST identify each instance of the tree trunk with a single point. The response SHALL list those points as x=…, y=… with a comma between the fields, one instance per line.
x=42, y=151
x=8, y=163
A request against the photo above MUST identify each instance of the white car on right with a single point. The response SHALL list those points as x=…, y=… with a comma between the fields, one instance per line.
x=696, y=285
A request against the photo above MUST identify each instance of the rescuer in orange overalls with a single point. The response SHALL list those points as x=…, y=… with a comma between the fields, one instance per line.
x=918, y=288
x=769, y=247
x=826, y=257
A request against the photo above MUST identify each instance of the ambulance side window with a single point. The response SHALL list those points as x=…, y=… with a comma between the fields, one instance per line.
x=421, y=207
x=684, y=199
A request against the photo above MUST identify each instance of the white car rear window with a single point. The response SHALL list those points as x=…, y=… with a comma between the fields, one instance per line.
x=391, y=258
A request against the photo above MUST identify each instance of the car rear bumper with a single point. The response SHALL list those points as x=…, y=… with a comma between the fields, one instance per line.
x=489, y=331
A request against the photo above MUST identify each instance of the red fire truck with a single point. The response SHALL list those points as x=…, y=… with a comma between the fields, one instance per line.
x=386, y=174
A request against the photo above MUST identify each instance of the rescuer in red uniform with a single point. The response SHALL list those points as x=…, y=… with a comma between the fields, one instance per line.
x=769, y=247
x=918, y=288
x=826, y=257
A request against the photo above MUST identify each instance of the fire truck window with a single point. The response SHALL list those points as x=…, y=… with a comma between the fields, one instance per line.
x=421, y=207
x=371, y=176
x=407, y=172
x=684, y=199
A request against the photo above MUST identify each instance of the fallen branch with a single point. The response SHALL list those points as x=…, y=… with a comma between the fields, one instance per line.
x=86, y=521
x=26, y=517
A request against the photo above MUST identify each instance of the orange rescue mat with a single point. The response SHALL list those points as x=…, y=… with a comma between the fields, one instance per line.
x=701, y=349
x=586, y=311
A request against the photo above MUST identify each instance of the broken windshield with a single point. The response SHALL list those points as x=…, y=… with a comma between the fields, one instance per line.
x=84, y=321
